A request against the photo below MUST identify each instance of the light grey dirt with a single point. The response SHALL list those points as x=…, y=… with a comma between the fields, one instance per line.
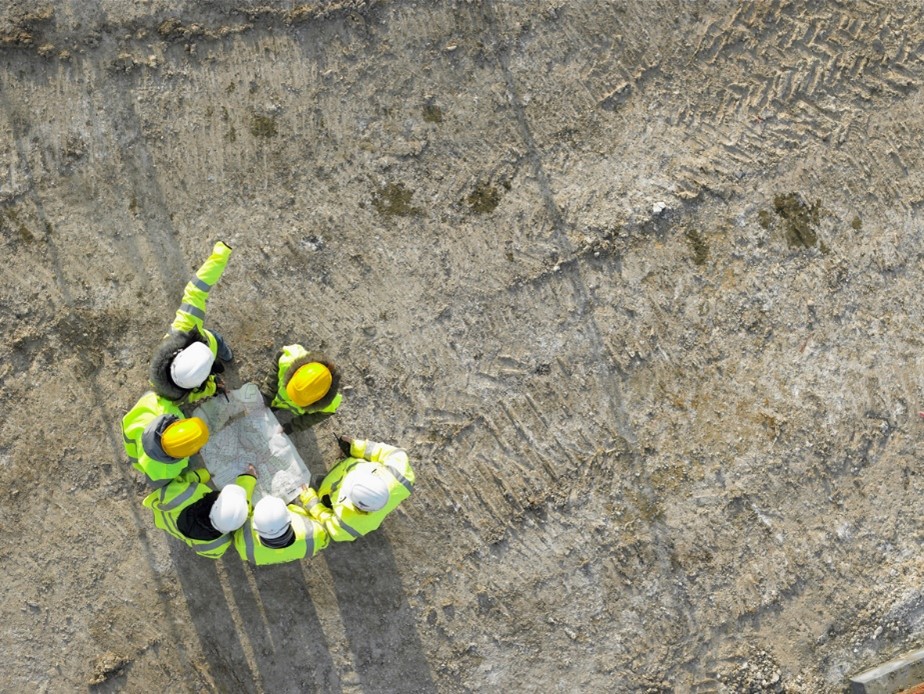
x=637, y=285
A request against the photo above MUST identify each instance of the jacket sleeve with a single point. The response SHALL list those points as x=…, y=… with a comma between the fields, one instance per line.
x=334, y=529
x=191, y=312
x=323, y=517
x=319, y=537
x=188, y=477
x=248, y=482
x=200, y=475
x=133, y=430
x=391, y=457
x=308, y=498
x=206, y=390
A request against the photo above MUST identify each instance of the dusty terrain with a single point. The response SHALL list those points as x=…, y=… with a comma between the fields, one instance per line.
x=635, y=283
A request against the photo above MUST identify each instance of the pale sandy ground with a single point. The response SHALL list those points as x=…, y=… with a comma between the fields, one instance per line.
x=635, y=283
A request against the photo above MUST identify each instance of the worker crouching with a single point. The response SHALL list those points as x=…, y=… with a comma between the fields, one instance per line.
x=201, y=517
x=279, y=533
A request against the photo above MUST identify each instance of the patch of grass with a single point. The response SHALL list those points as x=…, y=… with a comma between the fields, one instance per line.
x=263, y=126
x=800, y=219
x=765, y=219
x=14, y=223
x=394, y=200
x=485, y=198
x=699, y=246
x=856, y=224
x=432, y=113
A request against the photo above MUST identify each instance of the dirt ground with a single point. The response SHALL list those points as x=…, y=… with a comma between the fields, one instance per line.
x=636, y=284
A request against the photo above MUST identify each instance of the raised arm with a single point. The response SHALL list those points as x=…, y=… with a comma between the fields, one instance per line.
x=191, y=312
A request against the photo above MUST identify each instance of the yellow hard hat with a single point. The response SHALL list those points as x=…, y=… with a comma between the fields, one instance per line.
x=309, y=384
x=184, y=437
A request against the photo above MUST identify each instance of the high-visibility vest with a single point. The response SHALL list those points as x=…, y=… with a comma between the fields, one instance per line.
x=345, y=522
x=191, y=313
x=310, y=538
x=292, y=355
x=151, y=459
x=169, y=501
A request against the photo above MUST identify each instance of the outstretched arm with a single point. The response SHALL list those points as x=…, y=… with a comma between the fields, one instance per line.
x=191, y=312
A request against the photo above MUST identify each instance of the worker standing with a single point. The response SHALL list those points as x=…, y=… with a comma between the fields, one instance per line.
x=279, y=533
x=159, y=438
x=361, y=490
x=200, y=516
x=306, y=382
x=184, y=364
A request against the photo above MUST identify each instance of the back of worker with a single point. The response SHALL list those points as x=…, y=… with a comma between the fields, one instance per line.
x=159, y=438
x=361, y=490
x=199, y=516
x=279, y=533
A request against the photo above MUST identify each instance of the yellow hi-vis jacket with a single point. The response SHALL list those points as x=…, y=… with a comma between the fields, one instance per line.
x=188, y=327
x=310, y=538
x=141, y=429
x=343, y=521
x=291, y=359
x=169, y=501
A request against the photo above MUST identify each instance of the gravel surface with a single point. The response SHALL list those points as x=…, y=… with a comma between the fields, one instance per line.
x=634, y=283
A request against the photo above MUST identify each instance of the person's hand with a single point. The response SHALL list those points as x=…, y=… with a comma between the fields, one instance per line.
x=251, y=470
x=307, y=497
x=345, y=442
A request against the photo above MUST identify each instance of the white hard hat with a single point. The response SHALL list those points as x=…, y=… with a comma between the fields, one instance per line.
x=366, y=490
x=271, y=517
x=192, y=365
x=230, y=509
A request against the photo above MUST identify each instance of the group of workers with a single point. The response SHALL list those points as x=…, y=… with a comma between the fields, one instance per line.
x=351, y=500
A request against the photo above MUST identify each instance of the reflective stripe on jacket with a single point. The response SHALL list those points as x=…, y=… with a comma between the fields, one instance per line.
x=191, y=313
x=310, y=538
x=344, y=522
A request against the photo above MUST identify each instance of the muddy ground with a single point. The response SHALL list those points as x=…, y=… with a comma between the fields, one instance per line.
x=635, y=283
